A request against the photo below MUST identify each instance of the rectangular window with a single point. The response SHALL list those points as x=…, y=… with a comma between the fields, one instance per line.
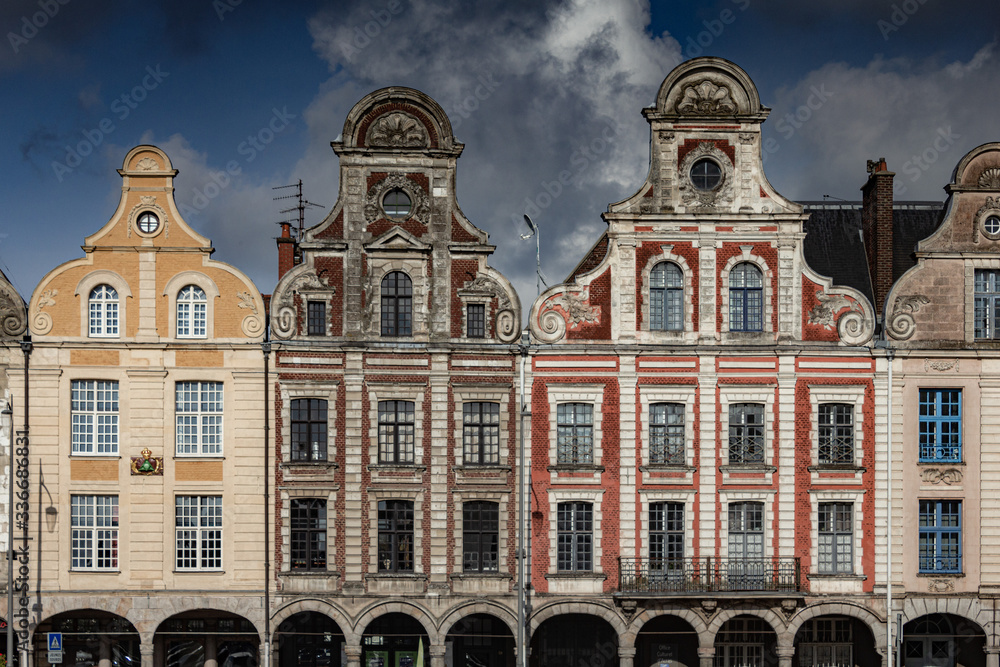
x=395, y=432
x=481, y=537
x=316, y=318
x=94, y=416
x=395, y=536
x=198, y=525
x=199, y=418
x=666, y=434
x=481, y=433
x=308, y=534
x=475, y=320
x=836, y=434
x=94, y=532
x=666, y=536
x=836, y=538
x=308, y=429
x=987, y=305
x=746, y=434
x=940, y=425
x=940, y=536
x=575, y=434
x=575, y=537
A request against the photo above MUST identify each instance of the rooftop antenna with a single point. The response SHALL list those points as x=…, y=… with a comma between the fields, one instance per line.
x=832, y=197
x=539, y=276
x=300, y=207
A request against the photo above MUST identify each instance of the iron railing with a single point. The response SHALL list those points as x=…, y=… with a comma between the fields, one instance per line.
x=709, y=574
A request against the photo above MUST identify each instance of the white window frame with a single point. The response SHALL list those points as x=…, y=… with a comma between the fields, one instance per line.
x=105, y=324
x=666, y=254
x=765, y=496
x=87, y=285
x=574, y=393
x=208, y=526
x=856, y=497
x=172, y=290
x=820, y=394
x=592, y=496
x=202, y=420
x=192, y=312
x=101, y=513
x=683, y=394
x=480, y=394
x=733, y=394
x=95, y=419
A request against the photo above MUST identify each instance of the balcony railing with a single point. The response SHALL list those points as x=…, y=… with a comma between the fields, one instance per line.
x=708, y=575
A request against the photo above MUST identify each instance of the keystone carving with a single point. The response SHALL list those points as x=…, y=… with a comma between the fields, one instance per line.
x=901, y=323
x=706, y=99
x=397, y=130
x=947, y=476
x=940, y=585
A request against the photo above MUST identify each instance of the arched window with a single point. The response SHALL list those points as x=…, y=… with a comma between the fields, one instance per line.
x=192, y=308
x=397, y=304
x=666, y=297
x=104, y=312
x=746, y=298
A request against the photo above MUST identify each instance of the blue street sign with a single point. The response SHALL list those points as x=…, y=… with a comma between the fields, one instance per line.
x=55, y=641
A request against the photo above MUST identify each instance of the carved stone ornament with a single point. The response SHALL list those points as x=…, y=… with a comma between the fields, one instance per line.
x=485, y=284
x=284, y=322
x=567, y=309
x=709, y=607
x=420, y=204
x=901, y=322
x=852, y=325
x=13, y=319
x=147, y=203
x=722, y=194
x=746, y=137
x=147, y=164
x=991, y=207
x=397, y=130
x=41, y=323
x=253, y=324
x=789, y=607
x=946, y=476
x=990, y=179
x=941, y=585
x=824, y=313
x=941, y=366
x=507, y=321
x=706, y=99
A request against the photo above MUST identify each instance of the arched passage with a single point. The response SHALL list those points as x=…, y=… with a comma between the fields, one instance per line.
x=480, y=640
x=192, y=638
x=394, y=640
x=837, y=641
x=746, y=641
x=943, y=640
x=666, y=640
x=574, y=640
x=309, y=639
x=90, y=636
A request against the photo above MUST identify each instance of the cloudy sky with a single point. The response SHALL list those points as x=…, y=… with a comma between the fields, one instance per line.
x=526, y=84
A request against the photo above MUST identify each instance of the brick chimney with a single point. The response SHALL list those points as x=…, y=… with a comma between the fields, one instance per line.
x=286, y=250
x=876, y=226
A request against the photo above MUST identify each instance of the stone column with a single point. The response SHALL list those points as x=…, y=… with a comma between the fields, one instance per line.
x=785, y=654
x=626, y=656
x=437, y=652
x=353, y=653
x=211, y=652
x=104, y=652
x=992, y=656
x=886, y=655
x=706, y=656
x=146, y=653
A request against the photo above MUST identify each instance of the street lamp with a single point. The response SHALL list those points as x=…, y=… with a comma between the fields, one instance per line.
x=7, y=427
x=539, y=278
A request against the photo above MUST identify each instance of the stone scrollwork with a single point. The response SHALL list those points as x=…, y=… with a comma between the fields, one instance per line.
x=569, y=309
x=854, y=328
x=506, y=325
x=420, y=201
x=397, y=130
x=720, y=195
x=252, y=325
x=824, y=313
x=946, y=476
x=41, y=323
x=551, y=326
x=901, y=322
x=706, y=99
x=852, y=325
x=941, y=366
x=941, y=585
x=13, y=319
x=283, y=323
x=485, y=284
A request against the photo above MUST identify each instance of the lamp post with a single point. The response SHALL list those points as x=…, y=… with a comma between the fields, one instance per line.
x=7, y=426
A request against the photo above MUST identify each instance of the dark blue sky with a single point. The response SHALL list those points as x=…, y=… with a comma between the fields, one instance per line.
x=84, y=81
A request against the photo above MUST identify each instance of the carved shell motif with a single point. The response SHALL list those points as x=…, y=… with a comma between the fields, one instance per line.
x=397, y=130
x=147, y=164
x=990, y=179
x=706, y=99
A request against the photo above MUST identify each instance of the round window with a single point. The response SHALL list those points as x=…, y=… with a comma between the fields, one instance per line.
x=991, y=225
x=396, y=204
x=148, y=223
x=706, y=174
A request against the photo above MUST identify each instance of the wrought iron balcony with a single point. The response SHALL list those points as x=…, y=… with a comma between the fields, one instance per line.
x=687, y=576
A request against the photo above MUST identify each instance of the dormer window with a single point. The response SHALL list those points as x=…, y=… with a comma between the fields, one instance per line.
x=148, y=223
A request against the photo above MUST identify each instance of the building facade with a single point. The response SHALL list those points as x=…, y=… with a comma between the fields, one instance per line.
x=146, y=386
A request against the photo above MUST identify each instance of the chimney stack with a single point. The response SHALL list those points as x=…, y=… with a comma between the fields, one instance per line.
x=286, y=249
x=876, y=226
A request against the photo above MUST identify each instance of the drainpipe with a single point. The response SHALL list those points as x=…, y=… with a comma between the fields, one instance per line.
x=265, y=347
x=522, y=652
x=890, y=353
x=26, y=347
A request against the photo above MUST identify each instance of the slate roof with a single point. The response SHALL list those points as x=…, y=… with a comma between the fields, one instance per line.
x=834, y=246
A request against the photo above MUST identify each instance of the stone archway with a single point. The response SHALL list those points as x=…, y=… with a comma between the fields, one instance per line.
x=202, y=635
x=91, y=636
x=309, y=639
x=480, y=640
x=667, y=640
x=574, y=640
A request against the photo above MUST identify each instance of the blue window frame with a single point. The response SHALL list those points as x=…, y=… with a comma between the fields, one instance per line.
x=940, y=425
x=746, y=298
x=940, y=535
